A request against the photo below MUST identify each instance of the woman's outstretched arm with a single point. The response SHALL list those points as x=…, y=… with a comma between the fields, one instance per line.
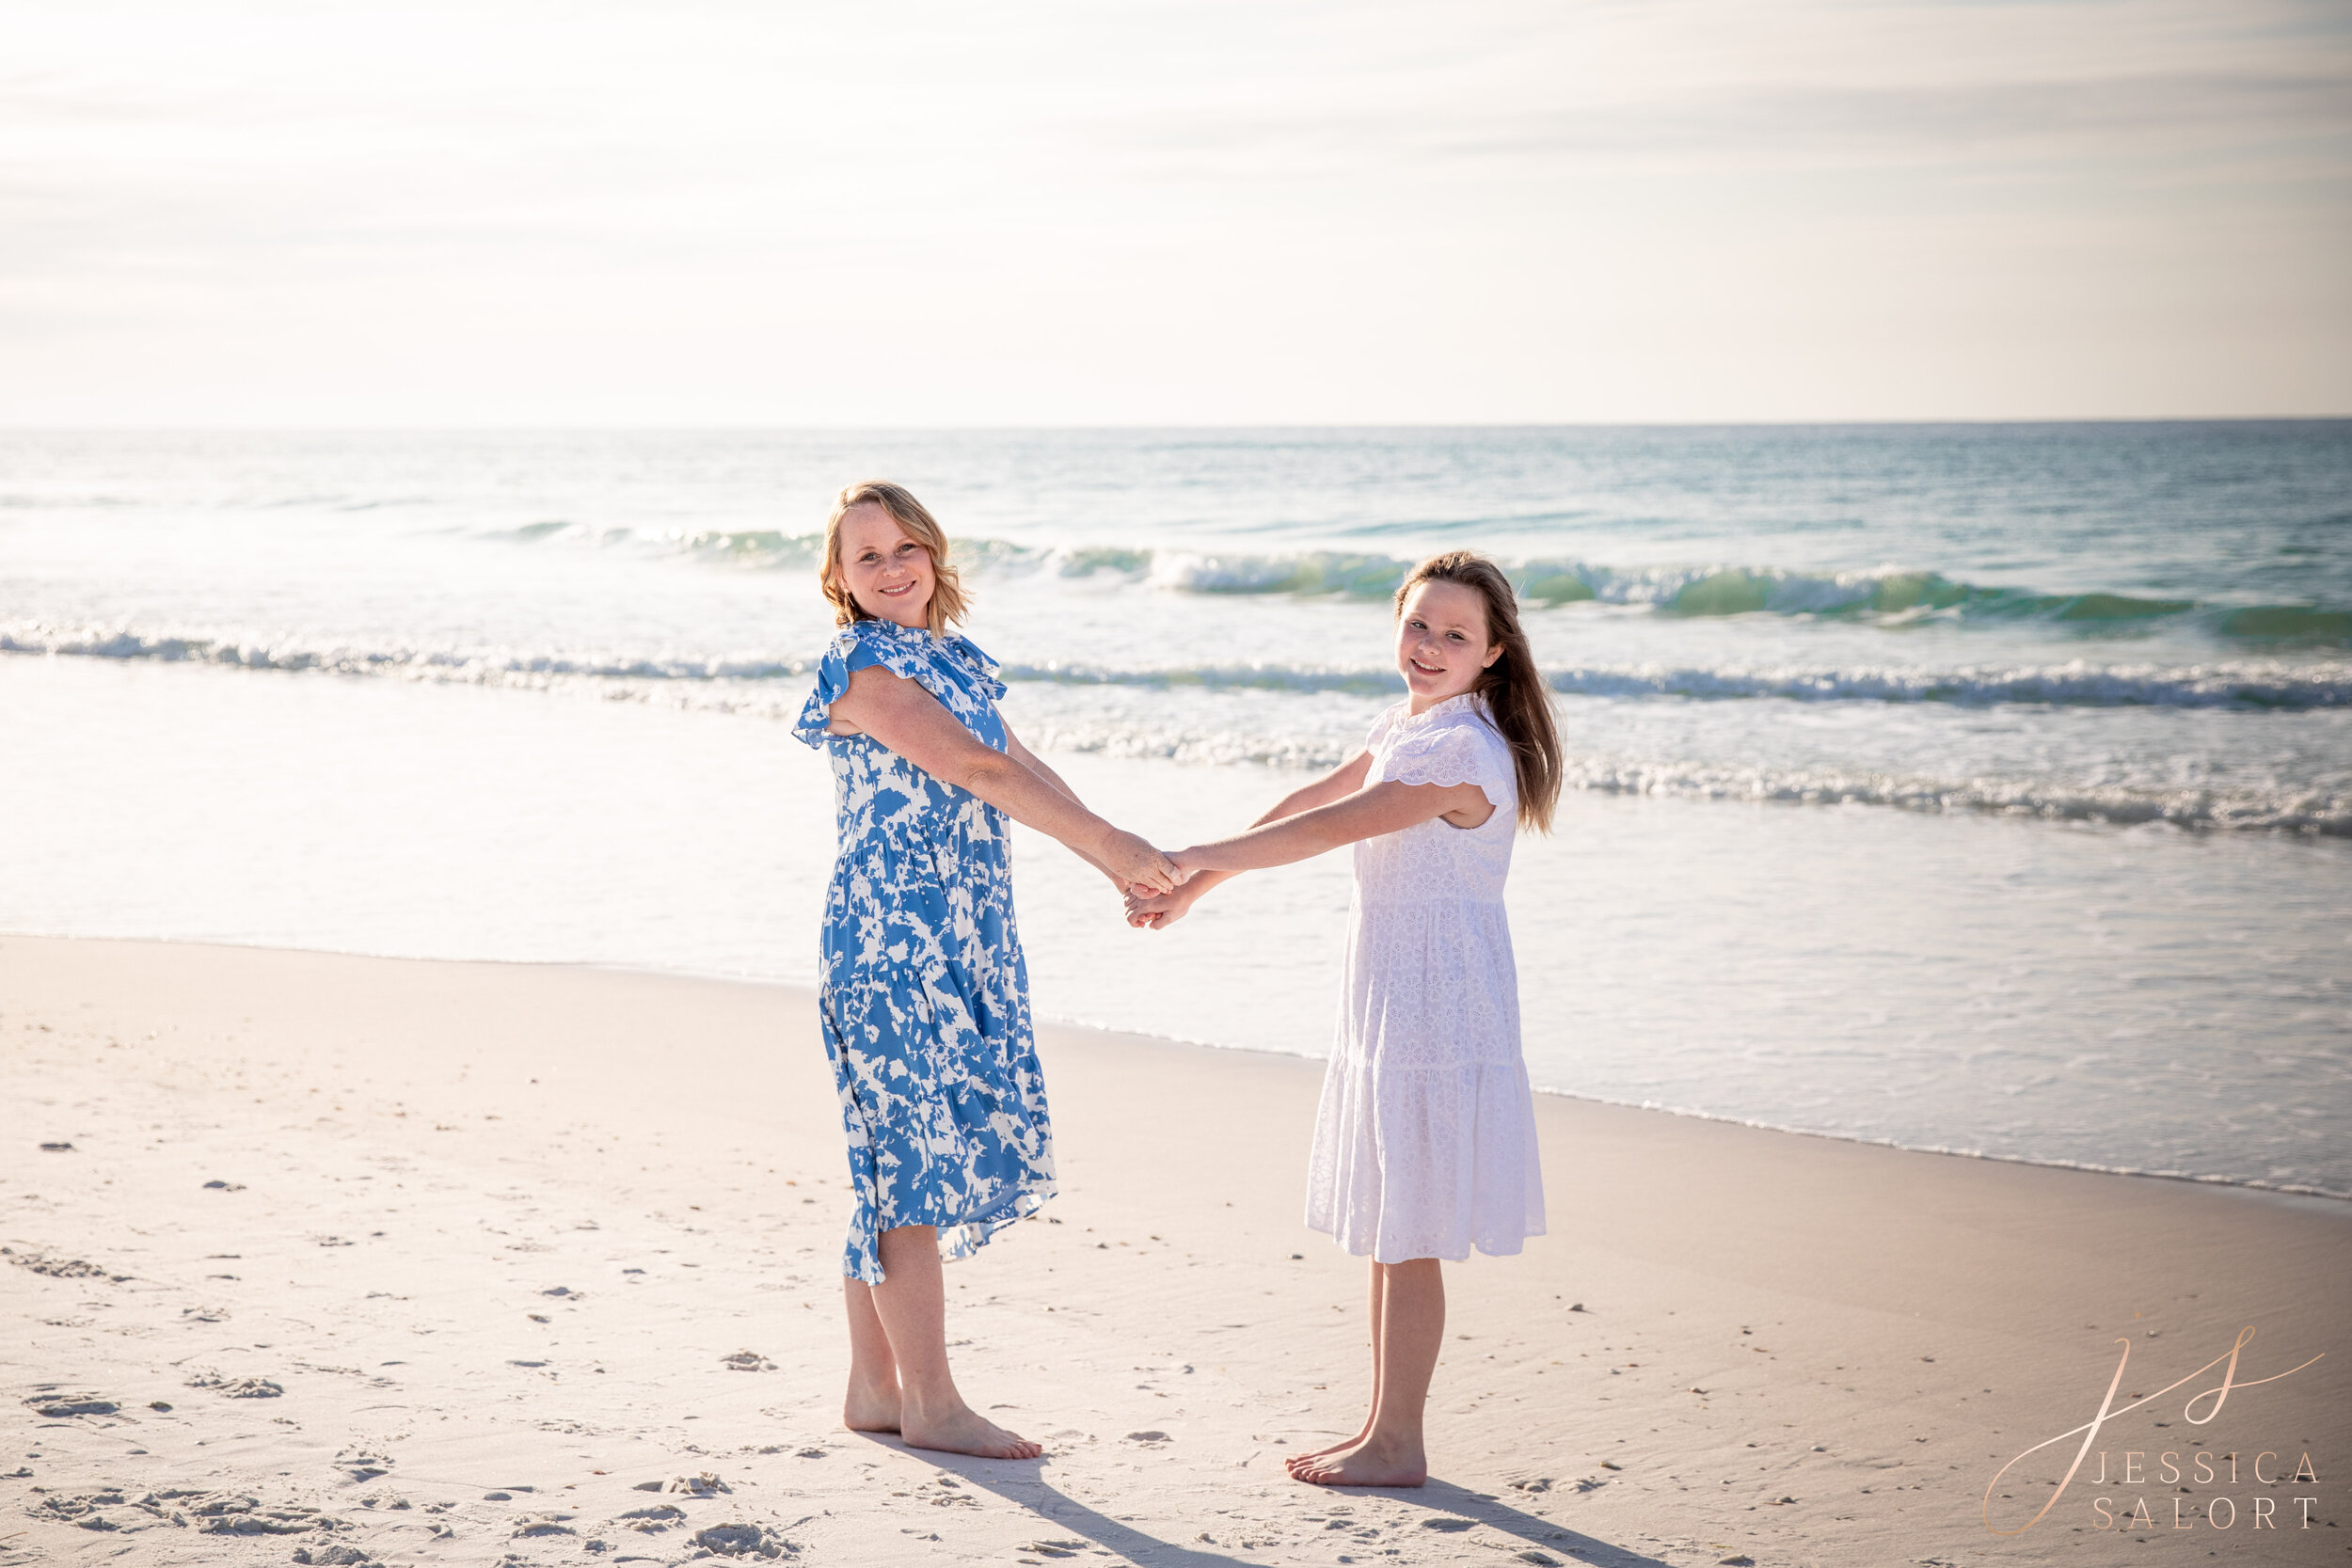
x=903, y=715
x=1037, y=765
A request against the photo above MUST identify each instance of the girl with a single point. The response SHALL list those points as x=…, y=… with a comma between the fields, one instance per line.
x=925, y=1000
x=1425, y=1143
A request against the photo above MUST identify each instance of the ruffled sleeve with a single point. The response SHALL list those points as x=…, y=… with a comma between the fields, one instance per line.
x=912, y=657
x=1466, y=750
x=832, y=679
x=985, y=668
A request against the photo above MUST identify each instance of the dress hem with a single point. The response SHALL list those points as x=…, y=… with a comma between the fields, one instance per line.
x=1372, y=1252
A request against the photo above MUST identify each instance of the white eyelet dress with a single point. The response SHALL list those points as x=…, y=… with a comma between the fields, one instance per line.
x=1426, y=1143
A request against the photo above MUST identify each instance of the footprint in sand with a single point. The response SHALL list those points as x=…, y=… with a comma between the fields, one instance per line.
x=59, y=1268
x=237, y=1387
x=57, y=1406
x=652, y=1520
x=744, y=1540
x=235, y=1514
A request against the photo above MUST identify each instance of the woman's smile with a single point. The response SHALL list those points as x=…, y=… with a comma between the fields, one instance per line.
x=888, y=574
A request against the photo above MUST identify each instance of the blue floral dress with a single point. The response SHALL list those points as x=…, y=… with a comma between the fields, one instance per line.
x=926, y=997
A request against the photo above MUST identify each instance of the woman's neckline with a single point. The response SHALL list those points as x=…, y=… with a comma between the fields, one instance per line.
x=923, y=632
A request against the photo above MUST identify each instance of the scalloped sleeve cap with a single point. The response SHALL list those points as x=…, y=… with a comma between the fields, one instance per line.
x=1467, y=749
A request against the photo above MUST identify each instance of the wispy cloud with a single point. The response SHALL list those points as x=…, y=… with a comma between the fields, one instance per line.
x=1062, y=210
x=2045, y=120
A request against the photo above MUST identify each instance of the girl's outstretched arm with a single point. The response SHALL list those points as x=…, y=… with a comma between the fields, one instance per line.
x=1154, y=913
x=1387, y=807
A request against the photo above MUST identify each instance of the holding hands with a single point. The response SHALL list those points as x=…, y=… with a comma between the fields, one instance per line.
x=1157, y=911
x=1147, y=911
x=1137, y=866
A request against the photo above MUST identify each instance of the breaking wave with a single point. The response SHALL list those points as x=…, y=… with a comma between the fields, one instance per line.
x=2244, y=683
x=773, y=685
x=2261, y=685
x=1891, y=596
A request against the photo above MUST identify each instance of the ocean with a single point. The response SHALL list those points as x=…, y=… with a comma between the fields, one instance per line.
x=1983, y=788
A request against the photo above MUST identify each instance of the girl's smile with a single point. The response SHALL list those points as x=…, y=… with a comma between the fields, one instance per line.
x=1442, y=643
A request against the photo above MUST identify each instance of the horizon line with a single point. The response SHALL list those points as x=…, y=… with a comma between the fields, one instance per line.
x=1147, y=426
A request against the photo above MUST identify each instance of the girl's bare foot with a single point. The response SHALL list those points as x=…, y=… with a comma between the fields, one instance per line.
x=1367, y=1465
x=1295, y=1461
x=871, y=1409
x=964, y=1430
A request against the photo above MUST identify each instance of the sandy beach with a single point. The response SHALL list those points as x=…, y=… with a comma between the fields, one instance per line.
x=332, y=1259
x=1802, y=556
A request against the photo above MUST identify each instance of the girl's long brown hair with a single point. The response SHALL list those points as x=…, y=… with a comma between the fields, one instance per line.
x=1513, y=686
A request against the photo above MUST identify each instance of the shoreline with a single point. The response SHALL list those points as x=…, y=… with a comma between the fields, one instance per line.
x=523, y=1250
x=2060, y=804
x=1839, y=970
x=1757, y=1124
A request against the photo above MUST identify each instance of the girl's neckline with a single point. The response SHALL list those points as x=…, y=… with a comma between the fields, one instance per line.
x=1463, y=703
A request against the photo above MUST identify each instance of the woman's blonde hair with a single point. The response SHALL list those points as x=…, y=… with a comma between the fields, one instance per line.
x=1514, y=688
x=915, y=521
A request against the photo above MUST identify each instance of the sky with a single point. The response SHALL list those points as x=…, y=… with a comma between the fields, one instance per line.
x=1104, y=212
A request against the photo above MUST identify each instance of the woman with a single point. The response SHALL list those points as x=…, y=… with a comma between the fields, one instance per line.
x=925, y=998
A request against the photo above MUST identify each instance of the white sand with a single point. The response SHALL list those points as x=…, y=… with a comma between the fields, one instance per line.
x=497, y=1229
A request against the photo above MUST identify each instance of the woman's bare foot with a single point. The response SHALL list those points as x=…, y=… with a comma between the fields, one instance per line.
x=964, y=1430
x=871, y=1409
x=1367, y=1465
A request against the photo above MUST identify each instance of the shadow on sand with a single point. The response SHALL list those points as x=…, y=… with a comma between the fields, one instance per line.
x=1451, y=1508
x=1023, y=1484
x=1448, y=1503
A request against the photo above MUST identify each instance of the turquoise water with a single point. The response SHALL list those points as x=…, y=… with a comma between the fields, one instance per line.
x=1976, y=787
